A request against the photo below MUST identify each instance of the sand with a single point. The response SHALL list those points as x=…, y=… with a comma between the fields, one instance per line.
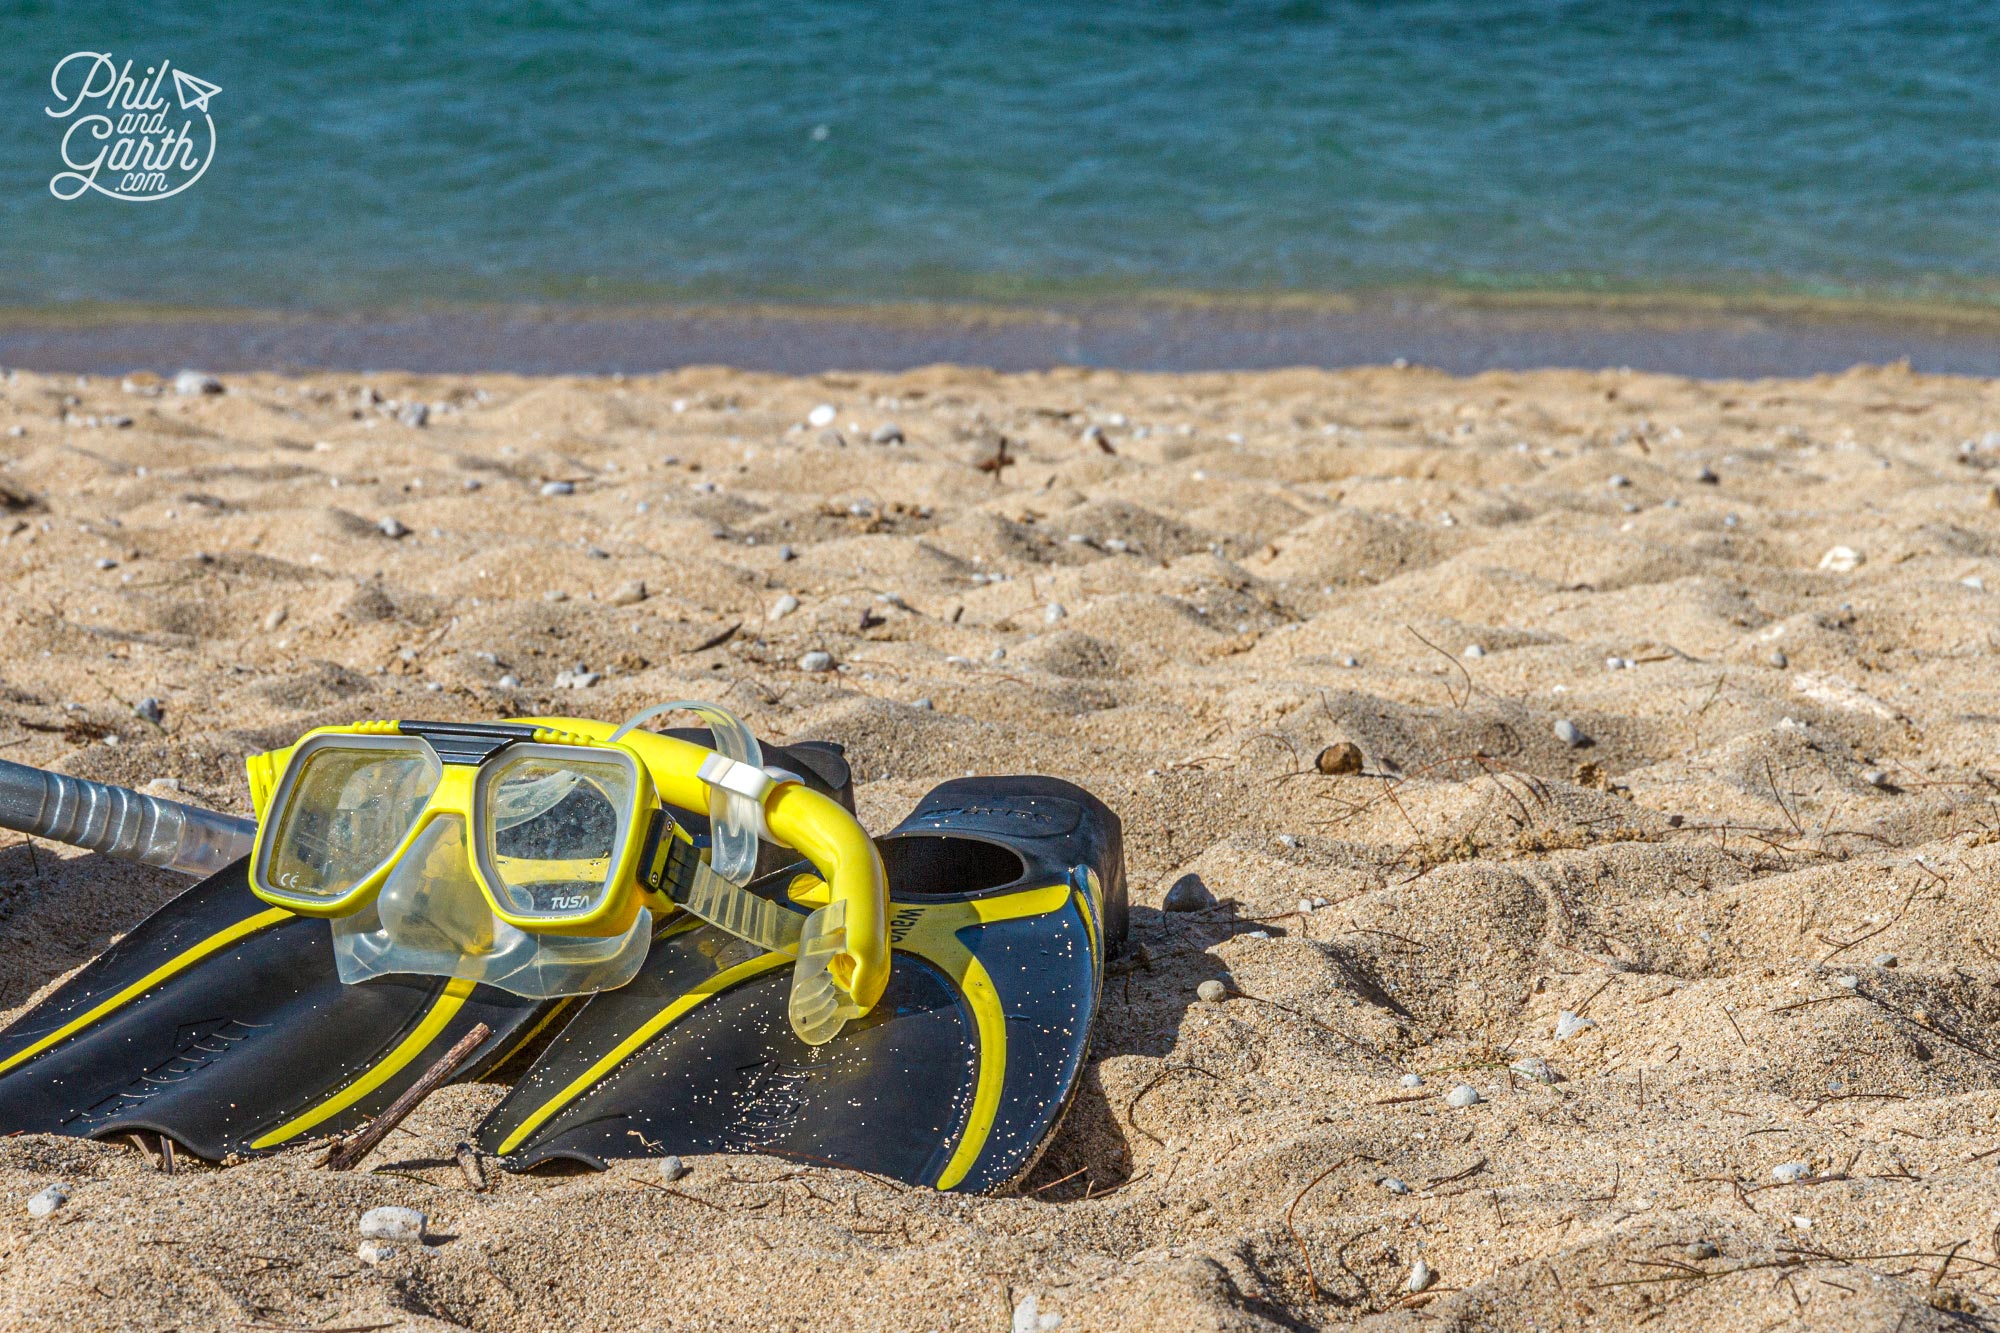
x=1762, y=877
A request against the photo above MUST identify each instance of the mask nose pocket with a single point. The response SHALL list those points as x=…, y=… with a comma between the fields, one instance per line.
x=431, y=900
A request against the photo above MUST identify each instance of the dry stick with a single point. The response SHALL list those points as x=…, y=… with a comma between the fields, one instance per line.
x=350, y=1150
x=468, y=1164
x=1456, y=702
x=1312, y=1281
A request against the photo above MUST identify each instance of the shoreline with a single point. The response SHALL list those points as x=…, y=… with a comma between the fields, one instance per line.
x=1461, y=333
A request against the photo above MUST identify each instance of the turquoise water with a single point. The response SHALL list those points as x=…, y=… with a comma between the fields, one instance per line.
x=377, y=155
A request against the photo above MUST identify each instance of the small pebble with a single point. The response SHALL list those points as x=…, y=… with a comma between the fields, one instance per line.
x=414, y=415
x=372, y=1252
x=1211, y=992
x=1702, y=1249
x=1536, y=1068
x=1886, y=960
x=997, y=655
x=1411, y=1081
x=392, y=528
x=1842, y=560
x=1474, y=650
x=1421, y=1277
x=151, y=709
x=925, y=704
x=1339, y=758
x=787, y=553
x=47, y=1200
x=783, y=607
x=107, y=562
x=821, y=416
x=1462, y=1096
x=1790, y=1173
x=1569, y=733
x=194, y=383
x=1618, y=481
x=558, y=488
x=628, y=594
x=578, y=679
x=1569, y=1024
x=1847, y=981
x=1875, y=777
x=816, y=661
x=1053, y=612
x=1779, y=660
x=1350, y=661
x=1092, y=434
x=276, y=617
x=1706, y=476
x=1188, y=894
x=1731, y=521
x=833, y=439
x=886, y=433
x=673, y=1168
x=510, y=681
x=1394, y=1186
x=394, y=1224
x=1288, y=841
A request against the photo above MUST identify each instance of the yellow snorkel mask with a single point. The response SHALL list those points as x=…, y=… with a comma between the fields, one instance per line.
x=534, y=855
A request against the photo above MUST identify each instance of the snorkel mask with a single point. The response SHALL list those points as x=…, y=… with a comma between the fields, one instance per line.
x=534, y=855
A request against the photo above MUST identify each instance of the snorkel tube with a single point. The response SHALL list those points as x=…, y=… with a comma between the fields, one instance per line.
x=120, y=822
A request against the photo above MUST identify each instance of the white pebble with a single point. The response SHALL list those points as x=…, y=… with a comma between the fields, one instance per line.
x=393, y=1223
x=1421, y=1277
x=1211, y=992
x=1287, y=840
x=193, y=384
x=1847, y=981
x=1569, y=733
x=1842, y=560
x=1474, y=650
x=510, y=681
x=787, y=553
x=816, y=661
x=558, y=488
x=1411, y=1081
x=1394, y=1186
x=886, y=433
x=151, y=709
x=673, y=1168
x=1790, y=1173
x=1534, y=1067
x=1886, y=960
x=392, y=528
x=1619, y=480
x=1462, y=1096
x=924, y=704
x=1875, y=777
x=1028, y=1317
x=1053, y=612
x=47, y=1200
x=372, y=1252
x=820, y=416
x=783, y=607
x=628, y=594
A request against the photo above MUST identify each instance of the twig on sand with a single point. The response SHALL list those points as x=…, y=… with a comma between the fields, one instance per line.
x=349, y=1151
x=1312, y=1279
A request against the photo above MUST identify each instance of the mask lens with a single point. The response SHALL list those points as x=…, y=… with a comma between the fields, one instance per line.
x=552, y=829
x=347, y=811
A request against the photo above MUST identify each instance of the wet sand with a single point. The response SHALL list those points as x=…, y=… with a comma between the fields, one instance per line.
x=1757, y=876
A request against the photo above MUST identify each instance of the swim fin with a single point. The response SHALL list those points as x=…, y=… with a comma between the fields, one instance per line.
x=221, y=1022
x=1005, y=894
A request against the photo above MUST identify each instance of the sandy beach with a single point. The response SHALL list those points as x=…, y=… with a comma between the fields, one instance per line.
x=1666, y=820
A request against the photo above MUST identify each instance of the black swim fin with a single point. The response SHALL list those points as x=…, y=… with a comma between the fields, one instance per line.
x=1005, y=895
x=221, y=1022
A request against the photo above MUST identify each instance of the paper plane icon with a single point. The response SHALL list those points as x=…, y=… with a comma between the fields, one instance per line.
x=194, y=93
